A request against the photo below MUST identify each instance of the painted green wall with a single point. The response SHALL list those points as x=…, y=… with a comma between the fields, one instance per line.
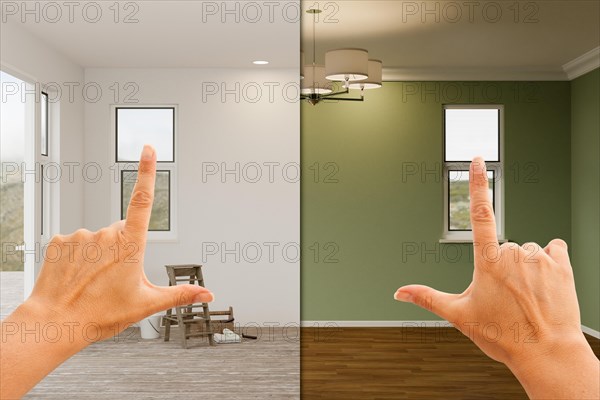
x=585, y=201
x=372, y=218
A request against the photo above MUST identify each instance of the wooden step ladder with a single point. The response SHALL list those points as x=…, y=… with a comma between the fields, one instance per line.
x=192, y=314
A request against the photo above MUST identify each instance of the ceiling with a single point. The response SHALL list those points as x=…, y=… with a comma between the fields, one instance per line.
x=502, y=40
x=489, y=40
x=169, y=34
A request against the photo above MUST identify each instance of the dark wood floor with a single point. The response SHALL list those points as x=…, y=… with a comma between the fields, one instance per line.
x=401, y=363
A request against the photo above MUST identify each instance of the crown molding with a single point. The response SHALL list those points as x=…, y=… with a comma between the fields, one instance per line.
x=571, y=70
x=474, y=74
x=583, y=64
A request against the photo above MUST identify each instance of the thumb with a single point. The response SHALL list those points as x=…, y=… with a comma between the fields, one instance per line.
x=180, y=295
x=440, y=303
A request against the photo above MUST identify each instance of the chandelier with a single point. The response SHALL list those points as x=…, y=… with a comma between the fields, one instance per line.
x=350, y=66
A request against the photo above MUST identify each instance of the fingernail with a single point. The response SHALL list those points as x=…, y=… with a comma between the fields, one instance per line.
x=402, y=296
x=147, y=153
x=204, y=297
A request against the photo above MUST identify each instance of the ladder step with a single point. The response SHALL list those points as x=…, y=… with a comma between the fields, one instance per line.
x=188, y=320
x=195, y=321
x=220, y=313
x=204, y=305
x=188, y=280
x=188, y=314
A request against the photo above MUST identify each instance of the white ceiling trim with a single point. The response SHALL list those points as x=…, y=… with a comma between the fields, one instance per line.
x=583, y=64
x=471, y=74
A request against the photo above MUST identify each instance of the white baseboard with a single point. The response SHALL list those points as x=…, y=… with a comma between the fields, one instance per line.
x=401, y=324
x=376, y=324
x=590, y=331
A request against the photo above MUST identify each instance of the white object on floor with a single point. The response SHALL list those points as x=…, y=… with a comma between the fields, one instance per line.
x=150, y=327
x=228, y=336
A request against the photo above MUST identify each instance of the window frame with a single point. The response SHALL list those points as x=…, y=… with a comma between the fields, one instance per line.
x=170, y=166
x=129, y=107
x=44, y=99
x=496, y=167
x=42, y=203
x=48, y=190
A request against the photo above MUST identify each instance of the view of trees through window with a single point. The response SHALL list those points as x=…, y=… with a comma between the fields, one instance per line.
x=160, y=218
x=12, y=129
x=11, y=220
x=459, y=213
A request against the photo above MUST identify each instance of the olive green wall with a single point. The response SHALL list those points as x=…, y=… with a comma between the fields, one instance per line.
x=585, y=201
x=359, y=209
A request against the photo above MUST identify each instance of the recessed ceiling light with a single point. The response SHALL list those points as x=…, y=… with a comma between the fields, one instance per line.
x=260, y=62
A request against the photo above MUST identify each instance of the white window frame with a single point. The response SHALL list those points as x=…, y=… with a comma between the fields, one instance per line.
x=117, y=167
x=453, y=236
x=51, y=185
x=44, y=159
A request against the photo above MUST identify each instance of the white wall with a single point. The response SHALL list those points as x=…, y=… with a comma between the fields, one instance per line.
x=210, y=130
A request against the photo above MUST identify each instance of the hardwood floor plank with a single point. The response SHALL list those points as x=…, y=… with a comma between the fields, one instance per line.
x=402, y=363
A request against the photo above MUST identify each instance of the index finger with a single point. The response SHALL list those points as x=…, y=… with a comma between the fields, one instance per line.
x=142, y=197
x=483, y=221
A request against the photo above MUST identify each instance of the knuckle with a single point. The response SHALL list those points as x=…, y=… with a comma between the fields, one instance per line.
x=480, y=180
x=531, y=247
x=425, y=302
x=482, y=212
x=530, y=253
x=57, y=240
x=102, y=232
x=103, y=236
x=558, y=243
x=81, y=234
x=509, y=247
x=146, y=168
x=141, y=198
x=184, y=296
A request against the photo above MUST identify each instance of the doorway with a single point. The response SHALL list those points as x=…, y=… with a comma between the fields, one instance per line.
x=24, y=147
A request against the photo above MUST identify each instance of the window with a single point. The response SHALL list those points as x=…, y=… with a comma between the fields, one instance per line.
x=133, y=128
x=470, y=131
x=137, y=126
x=44, y=123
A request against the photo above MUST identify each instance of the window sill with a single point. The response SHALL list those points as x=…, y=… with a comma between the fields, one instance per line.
x=446, y=240
x=162, y=236
x=158, y=240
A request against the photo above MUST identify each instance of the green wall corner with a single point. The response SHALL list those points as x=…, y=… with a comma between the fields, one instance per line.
x=585, y=189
